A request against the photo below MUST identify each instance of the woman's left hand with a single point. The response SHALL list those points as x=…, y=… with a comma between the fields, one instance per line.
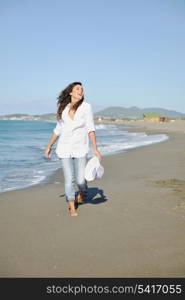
x=98, y=154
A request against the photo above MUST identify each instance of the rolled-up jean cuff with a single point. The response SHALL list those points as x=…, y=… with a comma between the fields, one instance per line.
x=69, y=199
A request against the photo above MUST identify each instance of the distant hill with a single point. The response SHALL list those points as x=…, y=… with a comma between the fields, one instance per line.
x=136, y=113
x=44, y=117
x=109, y=112
x=51, y=117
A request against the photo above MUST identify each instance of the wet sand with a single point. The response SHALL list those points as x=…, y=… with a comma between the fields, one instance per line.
x=132, y=224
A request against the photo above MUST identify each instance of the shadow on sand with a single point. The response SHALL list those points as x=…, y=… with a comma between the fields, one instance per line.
x=91, y=197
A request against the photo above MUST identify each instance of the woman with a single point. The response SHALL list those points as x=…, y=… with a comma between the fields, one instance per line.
x=74, y=126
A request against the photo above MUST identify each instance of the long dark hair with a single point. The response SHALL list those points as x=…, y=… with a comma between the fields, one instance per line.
x=64, y=98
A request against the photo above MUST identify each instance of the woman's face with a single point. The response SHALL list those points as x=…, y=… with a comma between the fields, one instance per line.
x=77, y=92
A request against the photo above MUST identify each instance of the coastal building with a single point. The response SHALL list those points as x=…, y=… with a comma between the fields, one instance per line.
x=155, y=117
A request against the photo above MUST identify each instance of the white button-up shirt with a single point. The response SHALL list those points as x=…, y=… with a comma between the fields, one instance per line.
x=73, y=134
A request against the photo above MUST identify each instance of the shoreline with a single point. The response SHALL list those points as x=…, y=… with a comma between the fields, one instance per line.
x=51, y=177
x=136, y=212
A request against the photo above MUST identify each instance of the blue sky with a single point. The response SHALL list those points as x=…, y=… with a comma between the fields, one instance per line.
x=126, y=53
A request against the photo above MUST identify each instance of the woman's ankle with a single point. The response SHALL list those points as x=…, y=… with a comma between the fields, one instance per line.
x=72, y=205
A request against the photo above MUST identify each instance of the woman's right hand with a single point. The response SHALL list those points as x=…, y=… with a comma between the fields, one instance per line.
x=47, y=152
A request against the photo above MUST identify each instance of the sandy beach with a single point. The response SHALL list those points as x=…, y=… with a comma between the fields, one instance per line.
x=132, y=224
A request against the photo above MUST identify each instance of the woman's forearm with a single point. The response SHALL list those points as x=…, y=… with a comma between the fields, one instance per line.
x=92, y=136
x=52, y=140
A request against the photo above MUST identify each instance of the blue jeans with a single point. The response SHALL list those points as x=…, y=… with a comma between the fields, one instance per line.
x=74, y=172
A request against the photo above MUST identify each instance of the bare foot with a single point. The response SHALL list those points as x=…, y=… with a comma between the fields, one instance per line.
x=72, y=209
x=73, y=212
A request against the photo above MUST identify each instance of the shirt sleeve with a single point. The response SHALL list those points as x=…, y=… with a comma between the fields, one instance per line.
x=58, y=128
x=89, y=119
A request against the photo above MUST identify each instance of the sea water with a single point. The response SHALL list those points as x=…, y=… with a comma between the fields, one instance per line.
x=22, y=145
